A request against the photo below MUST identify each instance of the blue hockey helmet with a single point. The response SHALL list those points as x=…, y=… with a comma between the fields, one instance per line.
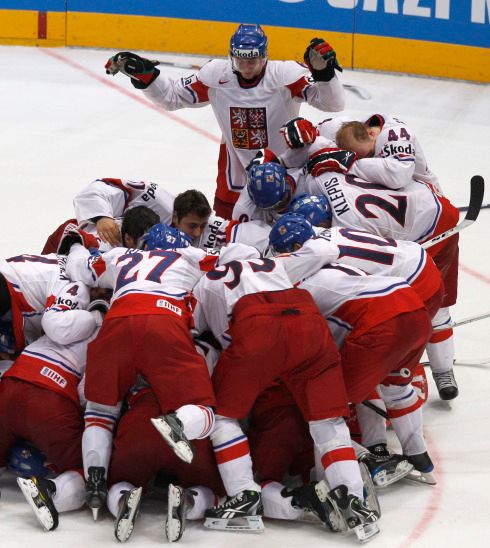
x=162, y=236
x=248, y=42
x=268, y=186
x=26, y=461
x=289, y=230
x=315, y=208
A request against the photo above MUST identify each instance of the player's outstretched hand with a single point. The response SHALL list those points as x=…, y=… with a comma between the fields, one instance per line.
x=74, y=235
x=108, y=231
x=299, y=132
x=330, y=159
x=141, y=71
x=321, y=60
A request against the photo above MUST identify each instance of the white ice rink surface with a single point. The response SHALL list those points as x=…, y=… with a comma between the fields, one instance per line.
x=65, y=123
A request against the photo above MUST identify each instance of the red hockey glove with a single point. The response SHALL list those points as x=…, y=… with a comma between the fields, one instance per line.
x=74, y=235
x=330, y=159
x=141, y=71
x=299, y=132
x=321, y=60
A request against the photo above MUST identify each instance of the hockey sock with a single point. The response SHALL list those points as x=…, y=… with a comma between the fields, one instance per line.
x=232, y=454
x=372, y=425
x=440, y=348
x=70, y=491
x=197, y=420
x=115, y=494
x=405, y=412
x=332, y=439
x=202, y=498
x=275, y=505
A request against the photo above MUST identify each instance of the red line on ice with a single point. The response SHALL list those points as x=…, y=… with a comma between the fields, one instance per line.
x=475, y=273
x=106, y=82
x=432, y=506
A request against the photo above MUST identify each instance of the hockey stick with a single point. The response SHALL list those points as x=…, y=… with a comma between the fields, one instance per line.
x=467, y=361
x=464, y=321
x=465, y=208
x=361, y=92
x=376, y=409
x=476, y=199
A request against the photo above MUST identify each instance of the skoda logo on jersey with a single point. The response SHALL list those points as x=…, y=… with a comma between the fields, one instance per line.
x=245, y=53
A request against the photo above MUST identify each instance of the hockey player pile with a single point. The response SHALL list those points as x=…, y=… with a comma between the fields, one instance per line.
x=240, y=355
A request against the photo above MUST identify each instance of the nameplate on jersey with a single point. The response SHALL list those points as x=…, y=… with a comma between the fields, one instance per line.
x=54, y=376
x=162, y=303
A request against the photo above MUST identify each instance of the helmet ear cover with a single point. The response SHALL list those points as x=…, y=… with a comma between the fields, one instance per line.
x=288, y=231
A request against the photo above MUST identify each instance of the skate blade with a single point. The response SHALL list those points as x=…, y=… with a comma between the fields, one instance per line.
x=366, y=531
x=426, y=478
x=382, y=479
x=174, y=527
x=180, y=448
x=124, y=527
x=245, y=524
x=43, y=513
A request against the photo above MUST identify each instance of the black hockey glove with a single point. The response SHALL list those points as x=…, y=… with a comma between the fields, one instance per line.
x=321, y=60
x=141, y=71
x=330, y=159
x=263, y=156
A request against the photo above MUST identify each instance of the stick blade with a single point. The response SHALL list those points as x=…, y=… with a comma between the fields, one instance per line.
x=476, y=197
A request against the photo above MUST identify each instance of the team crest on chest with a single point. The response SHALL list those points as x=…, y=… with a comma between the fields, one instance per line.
x=248, y=127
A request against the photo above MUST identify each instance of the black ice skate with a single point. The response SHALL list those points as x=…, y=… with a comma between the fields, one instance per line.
x=128, y=512
x=39, y=493
x=386, y=470
x=423, y=469
x=307, y=498
x=446, y=385
x=356, y=514
x=179, y=499
x=172, y=432
x=243, y=512
x=95, y=489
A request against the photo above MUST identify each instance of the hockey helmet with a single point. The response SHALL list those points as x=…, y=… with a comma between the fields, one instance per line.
x=289, y=230
x=268, y=186
x=315, y=208
x=248, y=42
x=26, y=461
x=162, y=236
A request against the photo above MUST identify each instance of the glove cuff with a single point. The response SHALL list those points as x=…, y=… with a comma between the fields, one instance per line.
x=138, y=84
x=324, y=75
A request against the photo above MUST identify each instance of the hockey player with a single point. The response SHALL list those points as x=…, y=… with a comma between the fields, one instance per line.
x=250, y=95
x=387, y=150
x=37, y=296
x=147, y=331
x=378, y=214
x=272, y=331
x=41, y=399
x=364, y=314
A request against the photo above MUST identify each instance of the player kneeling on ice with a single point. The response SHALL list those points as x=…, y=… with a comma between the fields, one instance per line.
x=271, y=330
x=41, y=399
x=146, y=332
x=365, y=314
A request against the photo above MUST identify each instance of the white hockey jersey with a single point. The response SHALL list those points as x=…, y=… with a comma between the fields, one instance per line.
x=45, y=299
x=249, y=117
x=411, y=213
x=111, y=197
x=57, y=367
x=219, y=290
x=144, y=282
x=219, y=232
x=398, y=157
x=351, y=300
